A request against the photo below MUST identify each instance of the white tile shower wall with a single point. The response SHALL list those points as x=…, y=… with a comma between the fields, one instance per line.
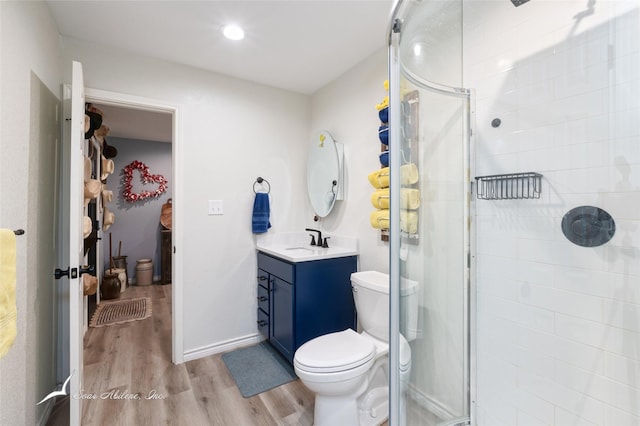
x=558, y=324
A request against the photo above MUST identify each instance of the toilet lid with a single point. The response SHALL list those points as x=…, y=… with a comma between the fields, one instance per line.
x=335, y=352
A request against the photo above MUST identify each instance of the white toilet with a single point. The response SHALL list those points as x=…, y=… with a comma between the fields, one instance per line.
x=349, y=371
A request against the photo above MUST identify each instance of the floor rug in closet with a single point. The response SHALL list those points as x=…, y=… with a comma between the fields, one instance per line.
x=258, y=368
x=110, y=313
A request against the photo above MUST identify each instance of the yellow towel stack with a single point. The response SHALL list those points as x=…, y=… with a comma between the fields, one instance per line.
x=380, y=180
x=8, y=312
x=409, y=198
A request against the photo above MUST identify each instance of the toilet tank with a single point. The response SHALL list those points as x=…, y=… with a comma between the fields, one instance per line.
x=371, y=296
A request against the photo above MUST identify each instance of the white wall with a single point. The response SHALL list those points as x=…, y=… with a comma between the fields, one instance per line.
x=232, y=132
x=346, y=108
x=558, y=324
x=137, y=225
x=29, y=129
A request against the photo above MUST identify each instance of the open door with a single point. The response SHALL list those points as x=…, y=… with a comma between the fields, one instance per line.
x=74, y=101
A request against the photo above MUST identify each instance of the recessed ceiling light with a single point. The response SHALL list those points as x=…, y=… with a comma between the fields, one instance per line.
x=233, y=32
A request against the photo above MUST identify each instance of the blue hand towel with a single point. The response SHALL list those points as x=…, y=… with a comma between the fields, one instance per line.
x=260, y=219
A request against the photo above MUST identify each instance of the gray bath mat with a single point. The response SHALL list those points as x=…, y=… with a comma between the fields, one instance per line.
x=258, y=368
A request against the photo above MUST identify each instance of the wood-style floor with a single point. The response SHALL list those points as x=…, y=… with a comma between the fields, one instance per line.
x=135, y=358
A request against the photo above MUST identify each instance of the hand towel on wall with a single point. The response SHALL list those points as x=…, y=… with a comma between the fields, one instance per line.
x=8, y=310
x=260, y=218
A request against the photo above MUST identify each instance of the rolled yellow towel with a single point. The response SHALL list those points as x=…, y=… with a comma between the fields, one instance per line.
x=409, y=174
x=409, y=198
x=380, y=199
x=409, y=221
x=8, y=310
x=380, y=219
x=379, y=178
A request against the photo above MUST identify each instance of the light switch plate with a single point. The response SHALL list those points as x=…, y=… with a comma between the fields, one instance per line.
x=215, y=207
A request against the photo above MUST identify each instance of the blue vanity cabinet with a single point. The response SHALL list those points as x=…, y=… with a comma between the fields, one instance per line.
x=305, y=299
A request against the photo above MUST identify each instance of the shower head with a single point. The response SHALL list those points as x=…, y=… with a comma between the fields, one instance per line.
x=517, y=3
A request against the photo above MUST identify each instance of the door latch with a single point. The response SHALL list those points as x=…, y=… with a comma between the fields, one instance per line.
x=72, y=273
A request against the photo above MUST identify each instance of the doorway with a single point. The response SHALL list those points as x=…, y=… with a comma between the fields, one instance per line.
x=119, y=105
x=137, y=184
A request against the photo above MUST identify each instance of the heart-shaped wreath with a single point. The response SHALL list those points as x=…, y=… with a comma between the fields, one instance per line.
x=146, y=178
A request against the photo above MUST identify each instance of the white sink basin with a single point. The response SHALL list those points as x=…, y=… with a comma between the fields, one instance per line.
x=295, y=247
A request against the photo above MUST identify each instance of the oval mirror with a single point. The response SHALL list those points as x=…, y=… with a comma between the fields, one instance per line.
x=322, y=173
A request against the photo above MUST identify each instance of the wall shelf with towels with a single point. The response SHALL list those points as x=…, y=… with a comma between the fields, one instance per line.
x=511, y=186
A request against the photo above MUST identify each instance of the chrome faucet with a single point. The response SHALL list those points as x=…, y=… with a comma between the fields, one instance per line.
x=313, y=240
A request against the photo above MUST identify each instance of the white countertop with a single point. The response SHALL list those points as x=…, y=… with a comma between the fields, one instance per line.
x=295, y=247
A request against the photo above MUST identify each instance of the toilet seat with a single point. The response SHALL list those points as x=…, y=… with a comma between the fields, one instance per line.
x=405, y=355
x=335, y=352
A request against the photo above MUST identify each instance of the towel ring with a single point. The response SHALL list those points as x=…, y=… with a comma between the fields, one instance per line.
x=260, y=181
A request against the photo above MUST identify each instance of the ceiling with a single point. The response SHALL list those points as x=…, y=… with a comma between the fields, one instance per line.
x=296, y=45
x=131, y=123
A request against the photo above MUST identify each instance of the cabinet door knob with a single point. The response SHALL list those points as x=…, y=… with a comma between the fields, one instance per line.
x=262, y=323
x=262, y=278
x=262, y=298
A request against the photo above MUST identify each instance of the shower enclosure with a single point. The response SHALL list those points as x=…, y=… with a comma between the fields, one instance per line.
x=523, y=121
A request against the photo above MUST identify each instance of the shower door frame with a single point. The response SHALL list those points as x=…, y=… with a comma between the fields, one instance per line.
x=469, y=241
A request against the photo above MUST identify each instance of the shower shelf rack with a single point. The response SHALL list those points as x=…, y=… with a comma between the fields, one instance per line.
x=512, y=186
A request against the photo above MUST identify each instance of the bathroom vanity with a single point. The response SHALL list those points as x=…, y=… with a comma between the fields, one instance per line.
x=299, y=300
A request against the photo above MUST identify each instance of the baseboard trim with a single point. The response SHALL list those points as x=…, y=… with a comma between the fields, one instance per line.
x=224, y=346
x=428, y=403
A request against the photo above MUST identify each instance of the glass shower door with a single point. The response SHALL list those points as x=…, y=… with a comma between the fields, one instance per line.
x=430, y=239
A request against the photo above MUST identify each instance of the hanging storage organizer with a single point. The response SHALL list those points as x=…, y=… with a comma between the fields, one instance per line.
x=512, y=186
